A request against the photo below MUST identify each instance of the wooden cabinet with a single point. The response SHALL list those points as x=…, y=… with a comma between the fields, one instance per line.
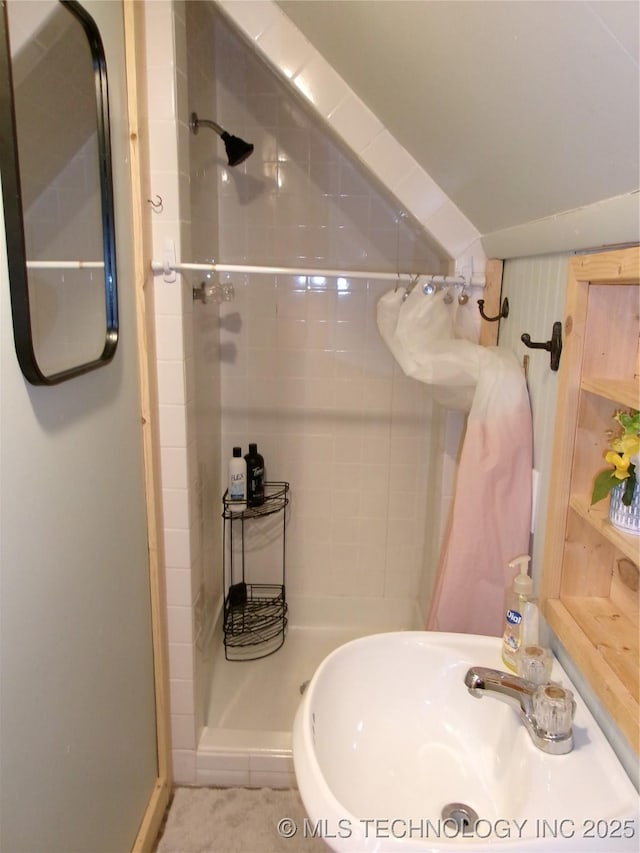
x=589, y=587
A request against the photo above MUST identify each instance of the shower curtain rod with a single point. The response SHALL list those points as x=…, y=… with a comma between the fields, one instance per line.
x=167, y=269
x=65, y=265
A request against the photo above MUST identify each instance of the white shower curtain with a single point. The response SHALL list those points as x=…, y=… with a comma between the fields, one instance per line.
x=490, y=519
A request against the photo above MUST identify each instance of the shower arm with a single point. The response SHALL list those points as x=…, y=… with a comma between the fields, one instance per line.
x=195, y=123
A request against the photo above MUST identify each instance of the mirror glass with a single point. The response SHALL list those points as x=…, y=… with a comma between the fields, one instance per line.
x=56, y=177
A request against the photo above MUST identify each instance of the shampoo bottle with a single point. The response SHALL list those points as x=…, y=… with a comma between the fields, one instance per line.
x=237, y=493
x=255, y=476
x=520, y=613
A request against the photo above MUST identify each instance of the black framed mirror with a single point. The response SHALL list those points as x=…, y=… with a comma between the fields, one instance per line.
x=55, y=165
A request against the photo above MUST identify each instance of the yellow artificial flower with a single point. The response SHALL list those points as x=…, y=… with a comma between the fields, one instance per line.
x=623, y=457
x=629, y=445
x=620, y=464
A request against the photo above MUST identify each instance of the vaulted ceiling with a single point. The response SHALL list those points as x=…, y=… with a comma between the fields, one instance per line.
x=525, y=113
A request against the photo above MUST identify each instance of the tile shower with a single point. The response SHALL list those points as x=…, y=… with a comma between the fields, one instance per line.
x=293, y=363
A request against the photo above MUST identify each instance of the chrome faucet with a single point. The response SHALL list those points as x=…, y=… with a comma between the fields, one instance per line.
x=545, y=709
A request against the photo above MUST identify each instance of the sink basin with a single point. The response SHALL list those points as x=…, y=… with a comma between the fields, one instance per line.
x=387, y=738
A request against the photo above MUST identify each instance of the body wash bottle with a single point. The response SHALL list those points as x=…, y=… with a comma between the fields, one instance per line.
x=520, y=613
x=255, y=476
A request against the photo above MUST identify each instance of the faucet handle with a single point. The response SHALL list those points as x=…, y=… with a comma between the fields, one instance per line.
x=219, y=292
x=534, y=663
x=553, y=709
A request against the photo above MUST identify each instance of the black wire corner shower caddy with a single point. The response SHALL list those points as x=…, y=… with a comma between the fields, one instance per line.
x=255, y=614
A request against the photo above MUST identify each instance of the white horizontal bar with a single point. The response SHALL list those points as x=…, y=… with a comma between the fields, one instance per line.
x=159, y=268
x=238, y=268
x=65, y=265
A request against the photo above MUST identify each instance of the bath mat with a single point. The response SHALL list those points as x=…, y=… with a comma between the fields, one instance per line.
x=237, y=820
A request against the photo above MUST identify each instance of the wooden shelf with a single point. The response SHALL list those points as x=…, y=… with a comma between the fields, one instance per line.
x=598, y=517
x=624, y=392
x=589, y=588
x=604, y=646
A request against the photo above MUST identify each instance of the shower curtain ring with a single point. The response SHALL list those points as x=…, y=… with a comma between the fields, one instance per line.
x=413, y=280
x=429, y=288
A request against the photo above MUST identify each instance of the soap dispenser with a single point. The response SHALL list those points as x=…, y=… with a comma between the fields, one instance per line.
x=520, y=613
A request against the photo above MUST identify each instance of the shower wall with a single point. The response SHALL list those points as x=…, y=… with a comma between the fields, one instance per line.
x=181, y=479
x=205, y=321
x=295, y=364
x=304, y=372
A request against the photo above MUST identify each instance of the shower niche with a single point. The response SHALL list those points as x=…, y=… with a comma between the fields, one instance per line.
x=255, y=604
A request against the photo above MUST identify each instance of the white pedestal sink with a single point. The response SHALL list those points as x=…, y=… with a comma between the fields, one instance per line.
x=387, y=737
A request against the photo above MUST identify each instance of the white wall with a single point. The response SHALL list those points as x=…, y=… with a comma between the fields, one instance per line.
x=205, y=317
x=268, y=30
x=77, y=735
x=422, y=68
x=187, y=361
x=165, y=35
x=535, y=288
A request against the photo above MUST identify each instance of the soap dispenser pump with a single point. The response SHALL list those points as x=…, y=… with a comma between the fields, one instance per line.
x=520, y=613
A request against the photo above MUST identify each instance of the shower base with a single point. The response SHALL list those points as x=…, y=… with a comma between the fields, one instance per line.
x=247, y=739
